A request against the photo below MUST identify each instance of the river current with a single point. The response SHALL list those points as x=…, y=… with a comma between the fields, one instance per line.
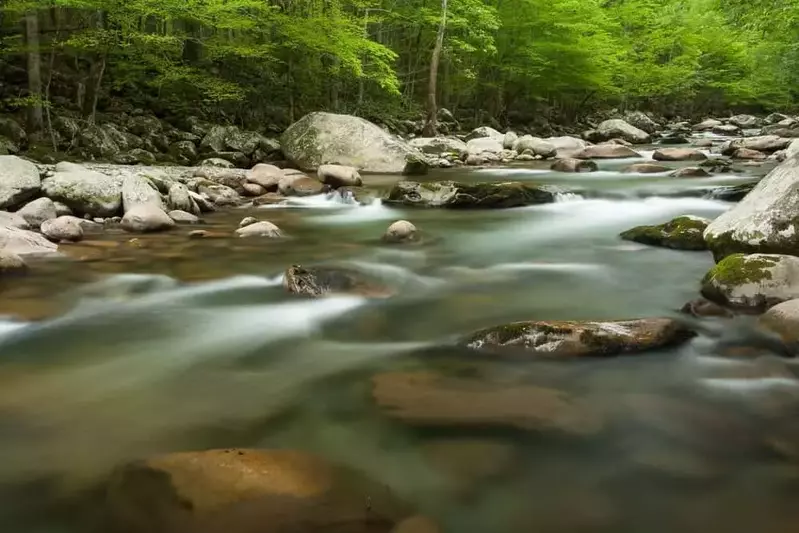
x=159, y=343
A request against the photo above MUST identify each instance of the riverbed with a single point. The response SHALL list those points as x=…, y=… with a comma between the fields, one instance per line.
x=134, y=346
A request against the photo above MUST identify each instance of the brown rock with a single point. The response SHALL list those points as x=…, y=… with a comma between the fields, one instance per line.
x=267, y=176
x=329, y=280
x=401, y=231
x=224, y=491
x=690, y=172
x=783, y=319
x=580, y=339
x=701, y=308
x=606, y=151
x=746, y=153
x=678, y=154
x=253, y=189
x=429, y=400
x=646, y=168
x=574, y=165
x=269, y=198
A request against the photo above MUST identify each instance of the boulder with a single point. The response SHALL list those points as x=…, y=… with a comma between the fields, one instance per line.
x=746, y=153
x=220, y=194
x=221, y=139
x=184, y=152
x=564, y=339
x=15, y=220
x=753, y=282
x=484, y=145
x=62, y=229
x=88, y=226
x=243, y=490
x=259, y=229
x=23, y=242
x=676, y=138
x=641, y=121
x=765, y=220
x=717, y=164
x=183, y=217
x=702, y=308
x=145, y=125
x=763, y=143
x=401, y=231
x=267, y=176
x=690, y=172
x=606, y=151
x=237, y=159
x=566, y=146
x=682, y=233
x=326, y=138
x=216, y=162
x=732, y=193
x=140, y=156
x=300, y=185
x=745, y=121
x=485, y=132
x=775, y=118
x=84, y=191
x=146, y=218
x=137, y=190
x=574, y=165
x=339, y=176
x=11, y=264
x=425, y=399
x=538, y=147
x=646, y=168
x=234, y=178
x=783, y=319
x=327, y=280
x=509, y=140
x=726, y=129
x=439, y=145
x=97, y=141
x=180, y=199
x=248, y=221
x=678, y=154
x=617, y=128
x=19, y=181
x=452, y=194
x=252, y=189
x=38, y=211
x=203, y=203
x=707, y=125
x=10, y=129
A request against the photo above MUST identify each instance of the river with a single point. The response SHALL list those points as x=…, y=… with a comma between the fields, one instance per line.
x=162, y=343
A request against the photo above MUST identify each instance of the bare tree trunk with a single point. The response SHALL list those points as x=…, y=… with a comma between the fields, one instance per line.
x=431, y=125
x=35, y=114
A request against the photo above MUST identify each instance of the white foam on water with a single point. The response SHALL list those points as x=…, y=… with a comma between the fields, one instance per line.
x=9, y=326
x=549, y=267
x=568, y=197
x=367, y=213
x=394, y=274
x=744, y=386
x=332, y=200
x=514, y=172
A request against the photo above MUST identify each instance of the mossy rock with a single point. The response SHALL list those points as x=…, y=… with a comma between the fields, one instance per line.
x=565, y=339
x=682, y=233
x=752, y=282
x=450, y=194
x=324, y=280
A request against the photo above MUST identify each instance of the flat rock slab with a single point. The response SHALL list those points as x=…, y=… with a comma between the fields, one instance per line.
x=425, y=399
x=564, y=339
x=451, y=194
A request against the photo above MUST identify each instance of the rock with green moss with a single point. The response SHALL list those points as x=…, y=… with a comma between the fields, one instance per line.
x=327, y=138
x=753, y=282
x=563, y=339
x=451, y=194
x=765, y=221
x=84, y=191
x=682, y=233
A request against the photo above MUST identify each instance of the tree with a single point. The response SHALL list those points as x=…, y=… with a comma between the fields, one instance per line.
x=430, y=128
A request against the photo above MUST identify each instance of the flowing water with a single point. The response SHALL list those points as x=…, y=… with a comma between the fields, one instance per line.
x=160, y=343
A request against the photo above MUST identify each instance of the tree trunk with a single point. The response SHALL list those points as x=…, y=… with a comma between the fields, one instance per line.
x=431, y=125
x=35, y=113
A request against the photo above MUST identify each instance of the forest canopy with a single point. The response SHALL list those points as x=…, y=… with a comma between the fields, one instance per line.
x=269, y=61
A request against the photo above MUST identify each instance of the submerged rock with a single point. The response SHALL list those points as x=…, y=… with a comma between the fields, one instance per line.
x=574, y=165
x=606, y=151
x=452, y=194
x=401, y=231
x=682, y=233
x=563, y=339
x=425, y=399
x=242, y=490
x=330, y=280
x=259, y=229
x=321, y=138
x=702, y=308
x=753, y=282
x=732, y=193
x=19, y=181
x=746, y=153
x=765, y=220
x=182, y=217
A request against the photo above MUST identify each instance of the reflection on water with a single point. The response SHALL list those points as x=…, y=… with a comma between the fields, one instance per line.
x=173, y=344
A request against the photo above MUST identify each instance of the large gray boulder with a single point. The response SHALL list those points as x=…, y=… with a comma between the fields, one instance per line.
x=765, y=220
x=339, y=176
x=145, y=218
x=84, y=191
x=64, y=228
x=763, y=143
x=267, y=176
x=23, y=242
x=754, y=282
x=19, y=180
x=454, y=195
x=38, y=211
x=137, y=190
x=641, y=121
x=745, y=121
x=484, y=145
x=567, y=146
x=321, y=138
x=99, y=141
x=439, y=145
x=619, y=129
x=539, y=147
x=486, y=132
x=13, y=220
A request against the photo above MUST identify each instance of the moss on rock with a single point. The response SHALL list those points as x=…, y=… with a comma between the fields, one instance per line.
x=451, y=194
x=682, y=233
x=739, y=269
